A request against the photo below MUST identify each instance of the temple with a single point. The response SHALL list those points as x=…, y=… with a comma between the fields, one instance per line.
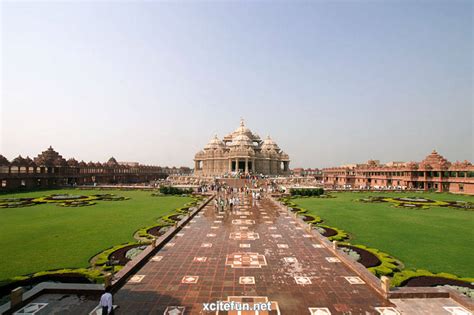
x=241, y=151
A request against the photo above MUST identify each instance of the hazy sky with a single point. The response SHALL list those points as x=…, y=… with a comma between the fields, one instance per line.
x=148, y=81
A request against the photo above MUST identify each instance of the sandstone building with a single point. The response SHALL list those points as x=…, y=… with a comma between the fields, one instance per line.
x=433, y=173
x=49, y=169
x=241, y=151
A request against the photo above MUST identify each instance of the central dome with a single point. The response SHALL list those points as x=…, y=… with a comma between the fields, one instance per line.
x=242, y=130
x=241, y=140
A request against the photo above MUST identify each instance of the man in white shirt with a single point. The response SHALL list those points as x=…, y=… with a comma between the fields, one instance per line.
x=106, y=302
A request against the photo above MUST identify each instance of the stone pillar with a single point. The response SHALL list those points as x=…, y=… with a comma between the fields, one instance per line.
x=440, y=184
x=108, y=280
x=385, y=281
x=236, y=164
x=246, y=165
x=230, y=165
x=16, y=296
x=253, y=166
x=425, y=184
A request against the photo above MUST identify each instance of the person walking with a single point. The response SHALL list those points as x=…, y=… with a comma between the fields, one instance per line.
x=106, y=302
x=216, y=205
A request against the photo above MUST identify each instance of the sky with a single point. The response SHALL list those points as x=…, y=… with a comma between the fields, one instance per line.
x=333, y=82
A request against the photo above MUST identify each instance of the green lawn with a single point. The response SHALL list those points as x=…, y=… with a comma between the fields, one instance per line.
x=437, y=239
x=46, y=236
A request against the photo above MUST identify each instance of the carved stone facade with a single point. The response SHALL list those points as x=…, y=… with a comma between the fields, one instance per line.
x=433, y=173
x=241, y=151
x=50, y=169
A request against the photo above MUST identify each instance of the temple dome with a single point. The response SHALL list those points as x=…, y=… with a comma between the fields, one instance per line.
x=19, y=161
x=241, y=140
x=72, y=162
x=4, y=161
x=50, y=158
x=112, y=162
x=214, y=143
x=242, y=130
x=29, y=161
x=269, y=144
x=434, y=160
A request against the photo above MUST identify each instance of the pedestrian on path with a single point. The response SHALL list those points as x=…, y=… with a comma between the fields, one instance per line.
x=106, y=302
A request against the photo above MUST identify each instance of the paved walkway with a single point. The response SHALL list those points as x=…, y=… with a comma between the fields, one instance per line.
x=254, y=254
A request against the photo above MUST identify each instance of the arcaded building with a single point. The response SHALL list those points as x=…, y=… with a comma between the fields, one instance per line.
x=433, y=173
x=241, y=151
x=49, y=169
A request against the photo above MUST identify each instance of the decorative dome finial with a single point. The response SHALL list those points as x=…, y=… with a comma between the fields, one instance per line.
x=242, y=121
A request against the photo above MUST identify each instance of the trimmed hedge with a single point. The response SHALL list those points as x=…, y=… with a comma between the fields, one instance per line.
x=143, y=232
x=388, y=265
x=340, y=236
x=306, y=191
x=170, y=190
x=301, y=211
x=94, y=275
x=103, y=257
x=401, y=277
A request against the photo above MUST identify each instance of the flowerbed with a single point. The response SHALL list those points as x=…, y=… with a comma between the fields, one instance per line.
x=419, y=203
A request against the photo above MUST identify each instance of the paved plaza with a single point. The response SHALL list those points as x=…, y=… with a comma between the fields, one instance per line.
x=256, y=253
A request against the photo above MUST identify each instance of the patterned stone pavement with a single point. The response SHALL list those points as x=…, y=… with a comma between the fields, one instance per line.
x=255, y=253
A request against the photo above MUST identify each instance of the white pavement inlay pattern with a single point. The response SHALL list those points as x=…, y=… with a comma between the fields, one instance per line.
x=246, y=280
x=190, y=279
x=31, y=308
x=303, y=280
x=174, y=310
x=156, y=258
x=319, y=311
x=387, y=311
x=354, y=280
x=136, y=279
x=457, y=310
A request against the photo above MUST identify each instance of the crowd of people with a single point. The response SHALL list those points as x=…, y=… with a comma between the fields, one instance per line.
x=230, y=198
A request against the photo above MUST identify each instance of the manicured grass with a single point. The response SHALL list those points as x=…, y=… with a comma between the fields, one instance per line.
x=46, y=236
x=437, y=239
